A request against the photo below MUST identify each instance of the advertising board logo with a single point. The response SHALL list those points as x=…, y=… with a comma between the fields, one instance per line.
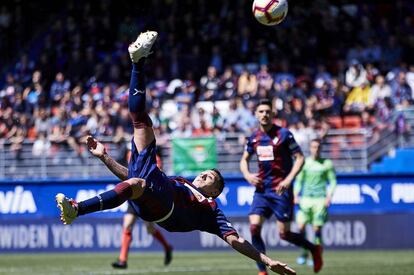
x=223, y=196
x=372, y=192
x=402, y=192
x=245, y=195
x=17, y=201
x=356, y=194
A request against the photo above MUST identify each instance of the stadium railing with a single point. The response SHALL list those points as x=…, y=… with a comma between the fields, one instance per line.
x=352, y=150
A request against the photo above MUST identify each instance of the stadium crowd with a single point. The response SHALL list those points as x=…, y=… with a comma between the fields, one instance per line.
x=210, y=66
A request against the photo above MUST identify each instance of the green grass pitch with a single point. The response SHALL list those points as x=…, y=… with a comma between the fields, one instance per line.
x=223, y=263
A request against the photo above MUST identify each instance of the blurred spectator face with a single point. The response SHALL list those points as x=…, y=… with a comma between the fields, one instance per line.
x=233, y=104
x=285, y=84
x=379, y=80
x=250, y=105
x=9, y=79
x=303, y=85
x=59, y=77
x=263, y=68
x=211, y=72
x=37, y=75
x=228, y=73
x=401, y=78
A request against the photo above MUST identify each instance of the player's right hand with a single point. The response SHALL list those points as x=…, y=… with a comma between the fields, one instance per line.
x=95, y=147
x=254, y=179
x=281, y=268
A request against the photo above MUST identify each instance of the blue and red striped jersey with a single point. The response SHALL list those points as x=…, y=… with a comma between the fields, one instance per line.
x=194, y=211
x=191, y=209
x=274, y=150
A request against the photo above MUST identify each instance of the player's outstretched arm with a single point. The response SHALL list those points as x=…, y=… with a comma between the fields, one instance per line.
x=98, y=150
x=245, y=248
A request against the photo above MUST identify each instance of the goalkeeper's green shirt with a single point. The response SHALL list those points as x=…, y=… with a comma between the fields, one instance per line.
x=315, y=177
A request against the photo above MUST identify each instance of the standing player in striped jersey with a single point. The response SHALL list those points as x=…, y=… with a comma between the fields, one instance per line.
x=175, y=204
x=315, y=197
x=275, y=148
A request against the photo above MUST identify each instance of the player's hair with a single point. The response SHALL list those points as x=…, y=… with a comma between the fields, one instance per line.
x=220, y=182
x=264, y=101
x=318, y=140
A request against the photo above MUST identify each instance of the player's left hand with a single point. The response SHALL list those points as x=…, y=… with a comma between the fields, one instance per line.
x=95, y=147
x=327, y=202
x=280, y=268
x=283, y=186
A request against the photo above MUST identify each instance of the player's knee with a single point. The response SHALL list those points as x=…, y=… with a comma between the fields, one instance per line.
x=255, y=229
x=140, y=120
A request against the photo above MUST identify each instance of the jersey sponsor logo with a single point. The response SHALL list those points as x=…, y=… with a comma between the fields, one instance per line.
x=17, y=201
x=265, y=153
x=402, y=192
x=275, y=140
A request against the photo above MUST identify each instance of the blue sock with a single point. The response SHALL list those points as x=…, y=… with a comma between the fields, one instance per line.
x=258, y=243
x=136, y=98
x=107, y=200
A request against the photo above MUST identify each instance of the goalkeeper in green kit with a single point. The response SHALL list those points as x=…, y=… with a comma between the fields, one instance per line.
x=313, y=190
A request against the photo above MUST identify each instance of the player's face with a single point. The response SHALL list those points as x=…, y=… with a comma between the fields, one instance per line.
x=206, y=182
x=315, y=149
x=264, y=114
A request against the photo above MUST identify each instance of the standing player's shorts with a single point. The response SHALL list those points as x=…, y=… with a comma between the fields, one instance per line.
x=268, y=203
x=157, y=200
x=312, y=211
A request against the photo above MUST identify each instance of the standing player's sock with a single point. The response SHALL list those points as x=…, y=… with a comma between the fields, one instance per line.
x=126, y=242
x=318, y=237
x=297, y=239
x=157, y=234
x=258, y=243
x=107, y=200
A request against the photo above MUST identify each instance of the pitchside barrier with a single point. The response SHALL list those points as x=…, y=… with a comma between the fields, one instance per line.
x=368, y=212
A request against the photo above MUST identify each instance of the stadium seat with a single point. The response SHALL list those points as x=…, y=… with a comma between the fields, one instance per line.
x=352, y=122
x=335, y=121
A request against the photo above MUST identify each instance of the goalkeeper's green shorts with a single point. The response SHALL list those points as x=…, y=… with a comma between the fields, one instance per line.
x=312, y=211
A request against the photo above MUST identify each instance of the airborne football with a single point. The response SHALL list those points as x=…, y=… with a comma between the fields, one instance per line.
x=270, y=12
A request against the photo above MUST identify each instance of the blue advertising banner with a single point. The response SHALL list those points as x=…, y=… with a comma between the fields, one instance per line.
x=354, y=194
x=374, y=231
